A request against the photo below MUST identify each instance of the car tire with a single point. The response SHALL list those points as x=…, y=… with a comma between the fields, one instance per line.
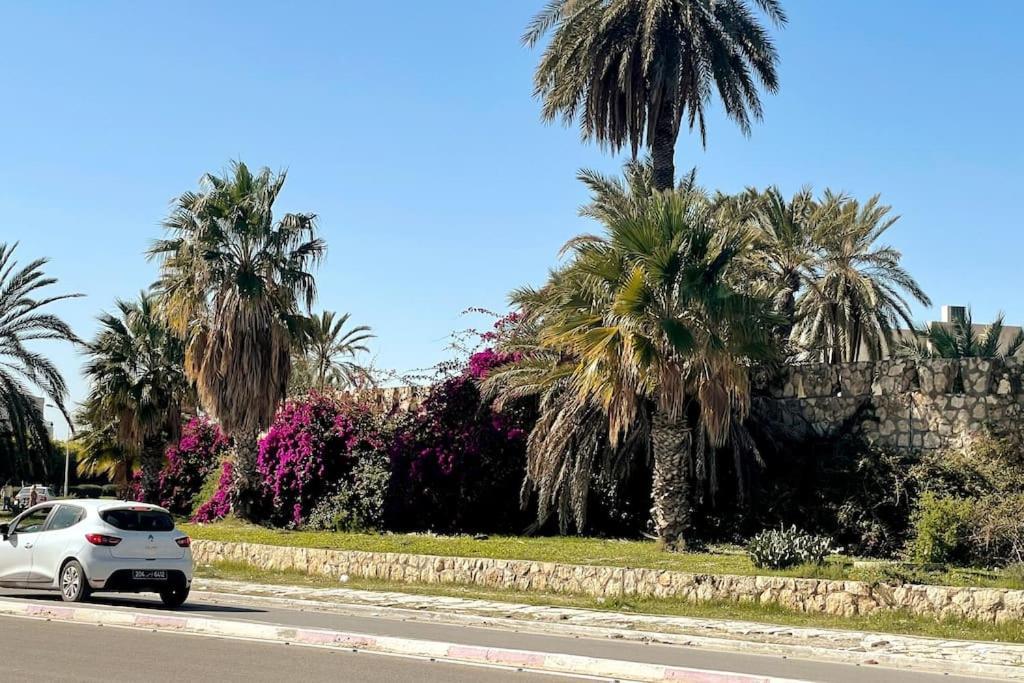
x=175, y=596
x=74, y=587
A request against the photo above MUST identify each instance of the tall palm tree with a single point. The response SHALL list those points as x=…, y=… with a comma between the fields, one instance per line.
x=330, y=350
x=24, y=321
x=858, y=297
x=635, y=70
x=233, y=282
x=959, y=339
x=644, y=330
x=138, y=383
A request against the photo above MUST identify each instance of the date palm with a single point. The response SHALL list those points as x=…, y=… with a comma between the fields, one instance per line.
x=234, y=282
x=25, y=320
x=633, y=71
x=330, y=351
x=959, y=339
x=786, y=255
x=138, y=384
x=858, y=298
x=644, y=330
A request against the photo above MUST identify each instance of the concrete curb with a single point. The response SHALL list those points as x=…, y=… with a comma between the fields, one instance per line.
x=323, y=638
x=966, y=658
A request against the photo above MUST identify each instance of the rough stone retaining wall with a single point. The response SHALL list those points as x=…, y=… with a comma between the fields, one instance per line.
x=843, y=598
x=909, y=404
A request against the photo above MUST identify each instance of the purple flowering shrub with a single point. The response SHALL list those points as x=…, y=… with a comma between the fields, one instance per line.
x=219, y=505
x=133, y=487
x=458, y=463
x=189, y=462
x=308, y=450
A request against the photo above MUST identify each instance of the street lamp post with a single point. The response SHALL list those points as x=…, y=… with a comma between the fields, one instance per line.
x=67, y=450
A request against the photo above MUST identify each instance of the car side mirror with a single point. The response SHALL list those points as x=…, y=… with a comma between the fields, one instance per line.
x=5, y=530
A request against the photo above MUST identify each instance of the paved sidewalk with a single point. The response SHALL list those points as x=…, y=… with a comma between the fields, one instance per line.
x=924, y=654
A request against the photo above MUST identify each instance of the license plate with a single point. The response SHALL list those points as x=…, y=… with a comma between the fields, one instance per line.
x=149, y=574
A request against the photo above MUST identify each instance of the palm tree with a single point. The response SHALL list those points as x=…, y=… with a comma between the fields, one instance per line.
x=785, y=257
x=232, y=281
x=634, y=70
x=24, y=321
x=101, y=453
x=138, y=383
x=643, y=332
x=857, y=298
x=330, y=351
x=960, y=340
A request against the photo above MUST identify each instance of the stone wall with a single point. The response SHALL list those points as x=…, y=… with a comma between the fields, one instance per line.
x=903, y=404
x=805, y=595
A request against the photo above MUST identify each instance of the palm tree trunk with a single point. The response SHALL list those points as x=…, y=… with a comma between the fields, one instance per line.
x=788, y=308
x=670, y=492
x=152, y=463
x=663, y=151
x=246, y=475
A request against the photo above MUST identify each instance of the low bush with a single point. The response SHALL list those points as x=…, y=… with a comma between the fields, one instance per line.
x=308, y=451
x=358, y=502
x=458, y=464
x=942, y=526
x=109, y=491
x=784, y=548
x=218, y=504
x=997, y=530
x=86, y=491
x=198, y=452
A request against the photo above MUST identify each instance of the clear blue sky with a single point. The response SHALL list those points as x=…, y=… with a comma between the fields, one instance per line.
x=409, y=127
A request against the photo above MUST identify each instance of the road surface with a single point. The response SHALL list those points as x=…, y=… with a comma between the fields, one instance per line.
x=40, y=651
x=191, y=649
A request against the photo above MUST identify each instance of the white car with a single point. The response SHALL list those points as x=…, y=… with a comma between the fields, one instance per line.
x=81, y=546
x=24, y=497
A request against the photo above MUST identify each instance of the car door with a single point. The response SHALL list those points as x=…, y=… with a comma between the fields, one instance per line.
x=52, y=544
x=16, y=549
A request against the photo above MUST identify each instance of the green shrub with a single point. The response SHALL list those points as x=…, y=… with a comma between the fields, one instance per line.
x=942, y=527
x=109, y=491
x=358, y=502
x=208, y=489
x=997, y=530
x=783, y=548
x=86, y=491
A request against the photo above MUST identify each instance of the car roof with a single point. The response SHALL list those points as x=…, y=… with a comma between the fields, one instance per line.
x=107, y=504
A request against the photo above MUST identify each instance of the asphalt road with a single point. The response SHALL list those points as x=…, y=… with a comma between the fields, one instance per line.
x=394, y=623
x=38, y=651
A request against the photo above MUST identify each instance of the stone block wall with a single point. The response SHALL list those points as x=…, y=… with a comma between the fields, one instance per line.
x=903, y=404
x=843, y=598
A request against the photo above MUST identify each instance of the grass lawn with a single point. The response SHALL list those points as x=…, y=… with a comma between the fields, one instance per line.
x=595, y=551
x=883, y=622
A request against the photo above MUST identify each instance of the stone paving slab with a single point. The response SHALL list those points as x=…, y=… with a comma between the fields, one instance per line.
x=952, y=656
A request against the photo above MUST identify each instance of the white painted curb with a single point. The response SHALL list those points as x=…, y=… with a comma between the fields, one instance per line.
x=467, y=654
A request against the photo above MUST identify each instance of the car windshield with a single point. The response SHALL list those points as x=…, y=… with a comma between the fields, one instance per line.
x=130, y=519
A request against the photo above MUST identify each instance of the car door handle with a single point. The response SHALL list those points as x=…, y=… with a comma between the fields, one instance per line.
x=28, y=545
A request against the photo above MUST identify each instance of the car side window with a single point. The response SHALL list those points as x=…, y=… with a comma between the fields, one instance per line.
x=31, y=522
x=64, y=516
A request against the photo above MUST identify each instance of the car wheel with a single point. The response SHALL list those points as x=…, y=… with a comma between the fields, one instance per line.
x=175, y=596
x=73, y=585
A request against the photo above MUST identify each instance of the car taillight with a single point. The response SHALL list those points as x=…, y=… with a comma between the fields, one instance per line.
x=102, y=539
x=184, y=541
